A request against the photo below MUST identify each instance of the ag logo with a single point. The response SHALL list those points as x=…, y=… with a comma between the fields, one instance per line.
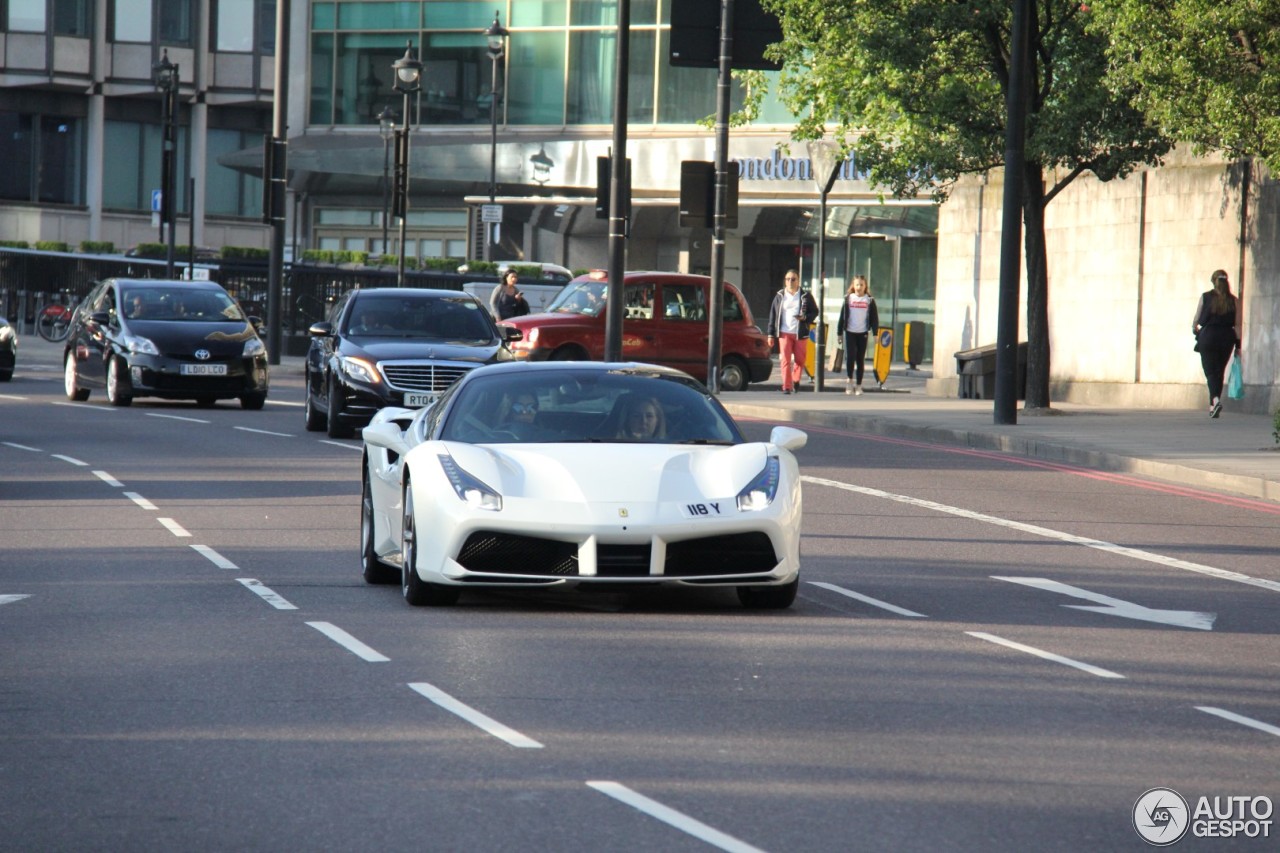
x=1161, y=817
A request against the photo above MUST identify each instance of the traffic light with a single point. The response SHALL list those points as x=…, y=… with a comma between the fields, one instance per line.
x=698, y=194
x=604, y=177
x=695, y=34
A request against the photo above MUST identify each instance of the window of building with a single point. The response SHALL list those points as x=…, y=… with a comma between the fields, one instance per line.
x=228, y=192
x=539, y=13
x=136, y=164
x=592, y=60
x=43, y=158
x=131, y=21
x=267, y=27
x=73, y=17
x=175, y=21
x=234, y=26
x=27, y=16
x=380, y=16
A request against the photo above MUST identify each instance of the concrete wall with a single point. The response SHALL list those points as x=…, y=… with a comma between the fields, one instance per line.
x=1127, y=263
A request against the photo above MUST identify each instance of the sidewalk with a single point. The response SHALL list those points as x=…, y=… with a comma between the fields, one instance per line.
x=1235, y=453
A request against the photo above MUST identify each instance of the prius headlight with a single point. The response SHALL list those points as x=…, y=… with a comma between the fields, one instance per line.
x=359, y=369
x=468, y=488
x=137, y=344
x=253, y=347
x=759, y=493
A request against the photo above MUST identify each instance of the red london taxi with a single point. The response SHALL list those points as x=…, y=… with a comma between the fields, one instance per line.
x=665, y=322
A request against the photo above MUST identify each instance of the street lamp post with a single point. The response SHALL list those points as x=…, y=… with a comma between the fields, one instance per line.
x=166, y=80
x=386, y=127
x=497, y=36
x=825, y=161
x=408, y=71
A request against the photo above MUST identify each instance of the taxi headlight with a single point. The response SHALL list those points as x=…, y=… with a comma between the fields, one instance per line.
x=359, y=369
x=468, y=488
x=760, y=492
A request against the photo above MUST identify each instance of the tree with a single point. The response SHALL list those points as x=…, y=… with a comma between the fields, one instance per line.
x=1204, y=70
x=915, y=90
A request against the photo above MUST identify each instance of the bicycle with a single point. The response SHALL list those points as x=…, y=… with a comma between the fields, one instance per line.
x=53, y=322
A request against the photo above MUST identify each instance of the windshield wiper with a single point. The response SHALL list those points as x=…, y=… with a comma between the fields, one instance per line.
x=715, y=441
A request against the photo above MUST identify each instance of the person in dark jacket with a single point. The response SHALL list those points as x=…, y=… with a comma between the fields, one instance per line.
x=506, y=301
x=1215, y=329
x=790, y=316
x=858, y=319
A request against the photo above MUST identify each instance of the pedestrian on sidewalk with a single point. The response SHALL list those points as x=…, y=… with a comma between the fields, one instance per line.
x=790, y=316
x=858, y=319
x=1216, y=338
x=506, y=300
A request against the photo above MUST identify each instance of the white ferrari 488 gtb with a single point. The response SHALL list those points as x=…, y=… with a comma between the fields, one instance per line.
x=578, y=473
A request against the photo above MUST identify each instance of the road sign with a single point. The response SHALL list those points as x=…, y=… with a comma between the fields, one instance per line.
x=491, y=213
x=157, y=201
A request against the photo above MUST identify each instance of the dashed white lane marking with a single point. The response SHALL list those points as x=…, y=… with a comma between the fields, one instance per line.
x=11, y=397
x=348, y=642
x=178, y=418
x=673, y=818
x=1035, y=530
x=266, y=594
x=214, y=557
x=1041, y=653
x=71, y=459
x=476, y=718
x=174, y=527
x=22, y=447
x=81, y=407
x=875, y=602
x=285, y=403
x=348, y=445
x=265, y=432
x=1241, y=719
x=108, y=479
x=140, y=500
x=7, y=599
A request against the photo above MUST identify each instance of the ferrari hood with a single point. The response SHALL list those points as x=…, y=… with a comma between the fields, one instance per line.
x=590, y=473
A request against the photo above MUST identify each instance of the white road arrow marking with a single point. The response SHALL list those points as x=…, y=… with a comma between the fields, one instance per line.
x=1116, y=607
x=5, y=599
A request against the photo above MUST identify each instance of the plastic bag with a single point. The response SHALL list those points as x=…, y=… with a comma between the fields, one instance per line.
x=1235, y=381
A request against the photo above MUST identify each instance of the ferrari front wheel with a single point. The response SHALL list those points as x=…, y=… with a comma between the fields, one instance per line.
x=769, y=597
x=416, y=591
x=374, y=570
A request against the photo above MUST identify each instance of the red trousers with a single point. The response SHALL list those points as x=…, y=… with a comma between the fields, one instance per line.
x=791, y=358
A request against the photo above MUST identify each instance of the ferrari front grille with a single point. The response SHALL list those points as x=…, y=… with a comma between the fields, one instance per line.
x=422, y=376
x=734, y=554
x=509, y=554
x=623, y=561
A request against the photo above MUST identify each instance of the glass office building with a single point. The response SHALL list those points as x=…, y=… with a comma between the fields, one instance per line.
x=77, y=97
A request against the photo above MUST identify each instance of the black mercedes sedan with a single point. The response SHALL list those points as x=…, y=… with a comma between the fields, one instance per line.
x=394, y=346
x=8, y=350
x=176, y=340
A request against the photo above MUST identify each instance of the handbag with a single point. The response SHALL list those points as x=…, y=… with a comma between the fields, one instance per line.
x=1235, y=381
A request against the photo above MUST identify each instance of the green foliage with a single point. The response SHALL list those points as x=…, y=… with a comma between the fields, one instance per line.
x=15, y=244
x=97, y=247
x=442, y=264
x=478, y=267
x=1276, y=423
x=1206, y=71
x=52, y=246
x=245, y=253
x=530, y=271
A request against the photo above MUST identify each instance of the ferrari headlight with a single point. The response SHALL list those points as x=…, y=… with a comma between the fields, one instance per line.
x=468, y=488
x=140, y=345
x=252, y=347
x=759, y=493
x=359, y=369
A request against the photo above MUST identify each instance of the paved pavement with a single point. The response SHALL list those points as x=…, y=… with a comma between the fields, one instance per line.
x=1235, y=453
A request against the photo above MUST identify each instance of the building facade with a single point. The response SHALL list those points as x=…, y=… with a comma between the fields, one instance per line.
x=78, y=98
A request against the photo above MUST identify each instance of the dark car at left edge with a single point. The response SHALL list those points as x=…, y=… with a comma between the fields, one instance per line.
x=176, y=340
x=8, y=350
x=395, y=346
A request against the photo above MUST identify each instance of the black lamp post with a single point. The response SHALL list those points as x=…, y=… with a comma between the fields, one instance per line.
x=408, y=71
x=497, y=36
x=386, y=127
x=166, y=79
x=825, y=162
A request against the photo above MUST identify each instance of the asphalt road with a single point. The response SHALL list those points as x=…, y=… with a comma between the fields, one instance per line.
x=986, y=654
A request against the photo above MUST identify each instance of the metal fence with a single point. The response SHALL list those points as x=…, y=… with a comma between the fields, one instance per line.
x=30, y=279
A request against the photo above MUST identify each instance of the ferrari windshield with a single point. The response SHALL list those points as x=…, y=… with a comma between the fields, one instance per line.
x=587, y=405
x=580, y=297
x=384, y=313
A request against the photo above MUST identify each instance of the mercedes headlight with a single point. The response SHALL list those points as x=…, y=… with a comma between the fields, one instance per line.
x=759, y=493
x=468, y=488
x=359, y=369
